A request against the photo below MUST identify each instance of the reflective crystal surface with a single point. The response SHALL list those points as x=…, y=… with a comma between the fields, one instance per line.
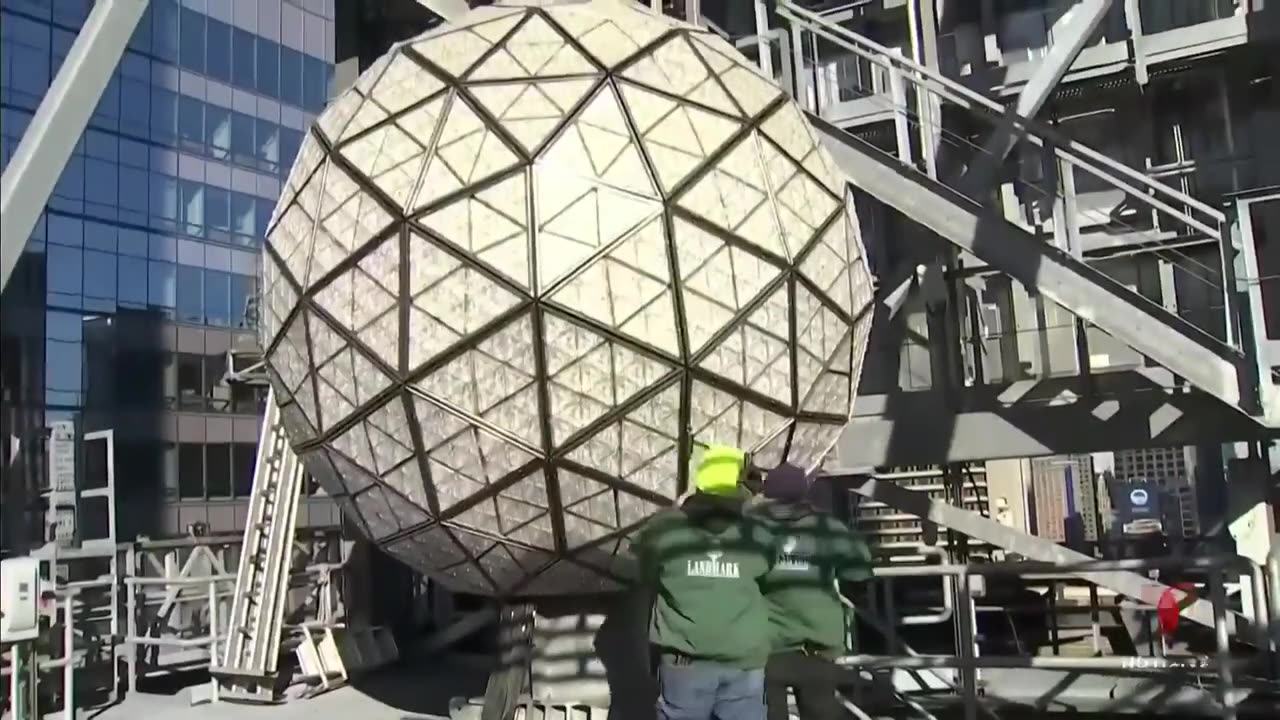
x=529, y=262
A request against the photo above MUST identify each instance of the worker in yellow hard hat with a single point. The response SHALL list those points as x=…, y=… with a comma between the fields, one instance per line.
x=710, y=623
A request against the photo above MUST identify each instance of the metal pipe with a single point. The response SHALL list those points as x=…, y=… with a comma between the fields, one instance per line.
x=213, y=638
x=948, y=590
x=1273, y=599
x=967, y=648
x=68, y=653
x=1049, y=571
x=59, y=121
x=131, y=625
x=1226, y=684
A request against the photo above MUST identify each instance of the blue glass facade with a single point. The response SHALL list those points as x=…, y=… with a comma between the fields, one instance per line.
x=149, y=241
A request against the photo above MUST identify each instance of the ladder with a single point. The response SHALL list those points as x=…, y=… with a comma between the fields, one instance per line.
x=251, y=652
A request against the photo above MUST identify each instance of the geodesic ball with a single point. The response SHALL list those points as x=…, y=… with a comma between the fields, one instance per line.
x=528, y=263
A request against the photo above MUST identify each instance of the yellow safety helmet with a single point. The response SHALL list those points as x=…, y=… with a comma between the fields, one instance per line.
x=719, y=470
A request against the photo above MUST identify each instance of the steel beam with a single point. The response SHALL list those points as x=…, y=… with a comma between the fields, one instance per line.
x=450, y=10
x=59, y=122
x=1129, y=584
x=1083, y=290
x=1033, y=418
x=1081, y=22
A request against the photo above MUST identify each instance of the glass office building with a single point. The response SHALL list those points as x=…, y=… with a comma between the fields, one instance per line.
x=140, y=276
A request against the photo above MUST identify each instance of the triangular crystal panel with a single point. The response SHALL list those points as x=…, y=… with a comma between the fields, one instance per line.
x=641, y=448
x=349, y=217
x=457, y=50
x=393, y=155
x=788, y=128
x=718, y=418
x=628, y=289
x=811, y=442
x=466, y=153
x=677, y=137
x=403, y=82
x=492, y=225
x=536, y=49
x=803, y=205
x=734, y=195
x=756, y=354
x=363, y=300
x=608, y=43
x=751, y=90
x=577, y=218
x=449, y=300
x=597, y=145
x=674, y=68
x=532, y=110
x=590, y=375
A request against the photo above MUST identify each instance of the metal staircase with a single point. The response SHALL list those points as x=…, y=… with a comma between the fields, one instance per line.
x=251, y=652
x=930, y=179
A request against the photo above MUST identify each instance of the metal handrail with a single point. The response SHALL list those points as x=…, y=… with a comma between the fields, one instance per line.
x=1138, y=185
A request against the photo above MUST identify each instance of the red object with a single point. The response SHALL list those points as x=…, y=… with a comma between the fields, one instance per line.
x=1170, y=606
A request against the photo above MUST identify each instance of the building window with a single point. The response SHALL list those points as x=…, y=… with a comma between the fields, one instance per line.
x=217, y=298
x=268, y=70
x=243, y=458
x=190, y=382
x=190, y=293
x=291, y=77
x=190, y=470
x=217, y=128
x=218, y=51
x=218, y=469
x=192, y=40
x=242, y=55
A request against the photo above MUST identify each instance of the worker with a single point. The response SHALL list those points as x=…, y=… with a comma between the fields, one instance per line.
x=813, y=552
x=710, y=626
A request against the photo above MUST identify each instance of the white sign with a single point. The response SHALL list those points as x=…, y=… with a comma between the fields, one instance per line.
x=62, y=457
x=1138, y=496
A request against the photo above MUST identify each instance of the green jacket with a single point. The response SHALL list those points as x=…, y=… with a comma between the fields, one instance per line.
x=812, y=551
x=705, y=560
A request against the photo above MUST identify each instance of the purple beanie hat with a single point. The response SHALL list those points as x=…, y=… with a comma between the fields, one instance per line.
x=787, y=483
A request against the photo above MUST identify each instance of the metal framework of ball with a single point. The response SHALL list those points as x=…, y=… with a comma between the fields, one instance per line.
x=533, y=259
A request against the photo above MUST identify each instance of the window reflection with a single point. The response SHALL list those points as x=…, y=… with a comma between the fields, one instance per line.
x=100, y=275
x=164, y=115
x=217, y=298
x=218, y=50
x=243, y=149
x=191, y=123
x=64, y=269
x=192, y=40
x=133, y=281
x=242, y=56
x=193, y=207
x=291, y=76
x=164, y=29
x=242, y=291
x=268, y=70
x=190, y=294
x=242, y=213
x=217, y=129
x=160, y=283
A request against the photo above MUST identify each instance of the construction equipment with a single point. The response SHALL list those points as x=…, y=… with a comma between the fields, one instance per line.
x=252, y=649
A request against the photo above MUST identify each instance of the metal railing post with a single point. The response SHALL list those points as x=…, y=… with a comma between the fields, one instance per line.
x=69, y=656
x=131, y=627
x=1226, y=680
x=213, y=637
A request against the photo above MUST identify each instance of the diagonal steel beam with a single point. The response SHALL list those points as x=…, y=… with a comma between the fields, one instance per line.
x=450, y=10
x=1078, y=26
x=1130, y=584
x=59, y=122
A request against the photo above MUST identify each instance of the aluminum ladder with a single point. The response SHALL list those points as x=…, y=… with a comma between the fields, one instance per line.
x=251, y=652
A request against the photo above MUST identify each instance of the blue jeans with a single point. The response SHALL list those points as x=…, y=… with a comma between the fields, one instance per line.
x=702, y=690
